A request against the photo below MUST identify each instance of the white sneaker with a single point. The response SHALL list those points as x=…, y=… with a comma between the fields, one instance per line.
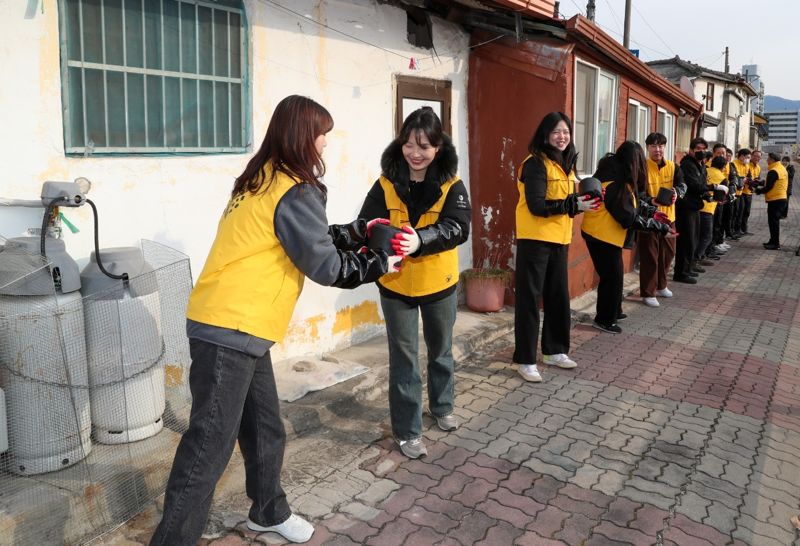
x=724, y=246
x=561, y=360
x=664, y=293
x=295, y=529
x=530, y=372
x=719, y=249
x=650, y=302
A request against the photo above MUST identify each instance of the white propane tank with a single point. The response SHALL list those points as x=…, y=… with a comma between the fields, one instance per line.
x=3, y=427
x=43, y=366
x=124, y=344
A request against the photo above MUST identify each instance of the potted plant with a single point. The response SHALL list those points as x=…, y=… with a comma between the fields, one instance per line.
x=485, y=288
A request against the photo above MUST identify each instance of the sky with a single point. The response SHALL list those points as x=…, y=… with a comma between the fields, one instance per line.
x=761, y=32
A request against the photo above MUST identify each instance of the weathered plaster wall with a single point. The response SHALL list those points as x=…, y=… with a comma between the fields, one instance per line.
x=178, y=200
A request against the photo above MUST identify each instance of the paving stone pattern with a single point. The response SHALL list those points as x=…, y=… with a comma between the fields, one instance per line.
x=682, y=430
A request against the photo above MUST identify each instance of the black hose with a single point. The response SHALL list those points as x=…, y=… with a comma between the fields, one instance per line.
x=124, y=276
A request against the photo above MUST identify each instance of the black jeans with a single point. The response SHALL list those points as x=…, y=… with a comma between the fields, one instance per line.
x=744, y=214
x=233, y=396
x=774, y=212
x=687, y=225
x=607, y=260
x=706, y=235
x=541, y=274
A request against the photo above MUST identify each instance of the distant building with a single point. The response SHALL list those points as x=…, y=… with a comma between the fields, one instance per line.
x=783, y=131
x=750, y=73
x=726, y=99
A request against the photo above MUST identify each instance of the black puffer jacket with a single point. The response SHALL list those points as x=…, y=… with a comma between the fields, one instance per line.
x=452, y=228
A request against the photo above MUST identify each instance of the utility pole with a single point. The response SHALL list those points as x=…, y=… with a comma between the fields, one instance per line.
x=590, y=10
x=727, y=66
x=626, y=37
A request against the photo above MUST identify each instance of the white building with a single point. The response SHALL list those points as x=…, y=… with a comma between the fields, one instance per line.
x=727, y=97
x=751, y=75
x=783, y=129
x=161, y=104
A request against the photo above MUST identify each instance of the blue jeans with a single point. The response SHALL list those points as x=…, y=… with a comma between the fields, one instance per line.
x=233, y=396
x=405, y=380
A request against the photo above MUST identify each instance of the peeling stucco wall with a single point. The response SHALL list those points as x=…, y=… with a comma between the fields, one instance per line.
x=177, y=200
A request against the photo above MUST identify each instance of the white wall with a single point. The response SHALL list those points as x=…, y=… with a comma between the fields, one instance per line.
x=178, y=200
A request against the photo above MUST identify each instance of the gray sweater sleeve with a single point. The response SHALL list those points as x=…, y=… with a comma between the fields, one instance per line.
x=301, y=226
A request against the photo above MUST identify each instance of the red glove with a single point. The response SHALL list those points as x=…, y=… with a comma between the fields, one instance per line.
x=371, y=223
x=661, y=217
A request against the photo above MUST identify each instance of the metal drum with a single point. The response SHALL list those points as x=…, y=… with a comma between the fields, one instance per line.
x=43, y=367
x=125, y=344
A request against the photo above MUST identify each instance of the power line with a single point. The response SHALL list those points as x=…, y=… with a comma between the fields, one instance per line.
x=614, y=15
x=651, y=28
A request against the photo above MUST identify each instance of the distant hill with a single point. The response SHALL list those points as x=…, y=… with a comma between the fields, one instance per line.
x=773, y=104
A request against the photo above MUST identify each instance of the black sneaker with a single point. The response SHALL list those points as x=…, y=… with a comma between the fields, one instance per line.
x=686, y=279
x=622, y=316
x=771, y=246
x=692, y=274
x=610, y=328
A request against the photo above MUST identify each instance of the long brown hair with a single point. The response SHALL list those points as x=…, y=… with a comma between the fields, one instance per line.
x=289, y=145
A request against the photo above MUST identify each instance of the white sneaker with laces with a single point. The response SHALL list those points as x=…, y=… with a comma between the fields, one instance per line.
x=664, y=293
x=530, y=373
x=561, y=360
x=295, y=529
x=650, y=302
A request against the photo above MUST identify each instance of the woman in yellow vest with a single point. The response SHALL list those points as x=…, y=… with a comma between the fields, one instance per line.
x=610, y=228
x=420, y=192
x=273, y=232
x=547, y=203
x=775, y=193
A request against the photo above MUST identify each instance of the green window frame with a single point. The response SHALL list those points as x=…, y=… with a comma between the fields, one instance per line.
x=154, y=76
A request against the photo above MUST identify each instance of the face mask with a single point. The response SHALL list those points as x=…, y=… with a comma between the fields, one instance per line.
x=746, y=161
x=699, y=156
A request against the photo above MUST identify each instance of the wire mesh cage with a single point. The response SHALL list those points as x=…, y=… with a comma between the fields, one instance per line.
x=95, y=388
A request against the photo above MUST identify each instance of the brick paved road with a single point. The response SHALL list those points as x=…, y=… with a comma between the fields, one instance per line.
x=683, y=430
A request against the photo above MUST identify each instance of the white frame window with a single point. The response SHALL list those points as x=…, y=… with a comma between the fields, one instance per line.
x=594, y=114
x=154, y=76
x=638, y=121
x=665, y=124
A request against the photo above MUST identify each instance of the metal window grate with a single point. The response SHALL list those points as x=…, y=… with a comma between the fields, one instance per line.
x=153, y=76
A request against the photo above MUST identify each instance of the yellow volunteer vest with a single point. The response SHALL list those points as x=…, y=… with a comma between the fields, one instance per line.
x=661, y=178
x=602, y=226
x=755, y=172
x=422, y=275
x=779, y=190
x=743, y=170
x=713, y=176
x=248, y=282
x=552, y=229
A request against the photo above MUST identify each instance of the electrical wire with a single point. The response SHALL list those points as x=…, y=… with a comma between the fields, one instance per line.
x=614, y=15
x=651, y=28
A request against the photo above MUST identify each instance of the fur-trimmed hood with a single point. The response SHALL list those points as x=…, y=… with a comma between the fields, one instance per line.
x=443, y=168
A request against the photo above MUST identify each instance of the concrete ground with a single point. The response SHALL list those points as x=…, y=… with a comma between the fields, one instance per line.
x=682, y=430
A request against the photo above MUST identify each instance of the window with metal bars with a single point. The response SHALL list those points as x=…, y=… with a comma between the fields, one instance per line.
x=154, y=76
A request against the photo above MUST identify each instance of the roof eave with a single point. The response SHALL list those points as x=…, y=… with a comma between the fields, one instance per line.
x=588, y=33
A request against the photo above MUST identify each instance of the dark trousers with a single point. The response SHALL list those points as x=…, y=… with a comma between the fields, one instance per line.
x=736, y=215
x=607, y=260
x=655, y=254
x=706, y=235
x=687, y=224
x=405, y=380
x=718, y=236
x=774, y=213
x=728, y=212
x=233, y=396
x=541, y=273
x=744, y=214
